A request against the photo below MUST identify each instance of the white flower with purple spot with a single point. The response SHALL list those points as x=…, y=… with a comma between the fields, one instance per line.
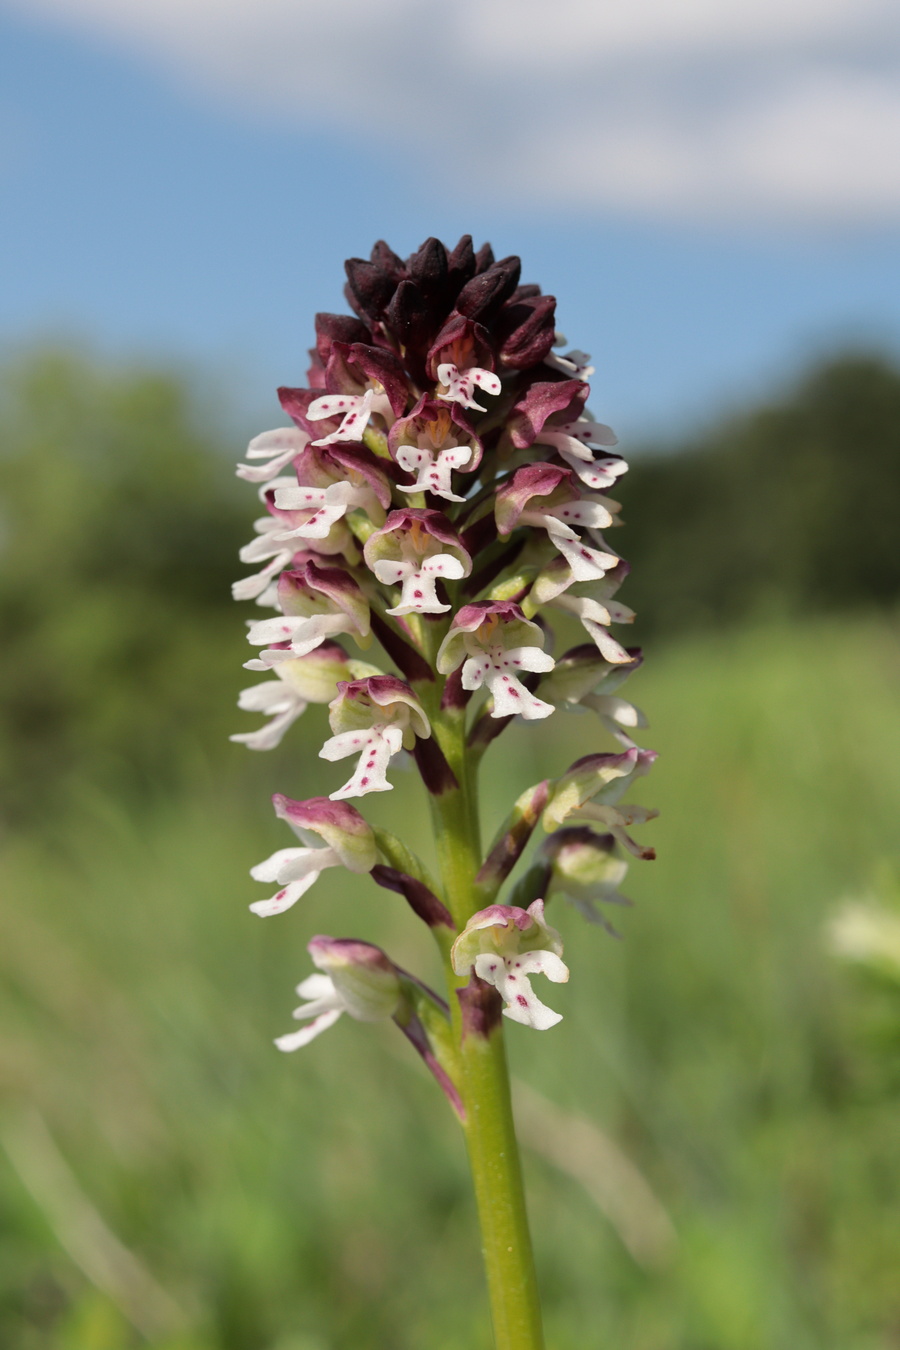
x=376, y=748
x=288, y=636
x=505, y=946
x=317, y=603
x=545, y=496
x=354, y=410
x=572, y=442
x=277, y=448
x=433, y=469
x=321, y=508
x=495, y=668
x=413, y=550
x=493, y=639
x=417, y=579
x=310, y=679
x=458, y=386
x=373, y=718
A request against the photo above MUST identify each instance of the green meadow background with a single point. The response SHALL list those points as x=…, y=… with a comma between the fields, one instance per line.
x=712, y=1135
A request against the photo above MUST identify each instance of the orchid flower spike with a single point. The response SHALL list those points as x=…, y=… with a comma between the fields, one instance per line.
x=438, y=504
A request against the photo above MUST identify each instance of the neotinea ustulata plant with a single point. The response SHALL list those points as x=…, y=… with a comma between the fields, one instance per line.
x=439, y=498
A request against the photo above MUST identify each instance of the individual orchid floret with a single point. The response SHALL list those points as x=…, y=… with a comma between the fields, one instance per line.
x=493, y=640
x=316, y=603
x=432, y=442
x=591, y=602
x=347, y=841
x=583, y=679
x=357, y=978
x=545, y=496
x=330, y=482
x=504, y=946
x=583, y=867
x=354, y=411
x=277, y=448
x=374, y=718
x=458, y=386
x=312, y=678
x=277, y=535
x=552, y=413
x=360, y=979
x=572, y=442
x=415, y=548
x=362, y=380
x=591, y=789
x=460, y=360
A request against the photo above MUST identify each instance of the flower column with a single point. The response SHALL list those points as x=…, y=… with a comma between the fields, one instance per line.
x=439, y=498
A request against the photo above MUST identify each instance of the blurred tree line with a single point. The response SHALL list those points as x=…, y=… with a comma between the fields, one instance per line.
x=785, y=509
x=120, y=521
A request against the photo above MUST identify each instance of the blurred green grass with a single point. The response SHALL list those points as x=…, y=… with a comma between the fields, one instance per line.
x=320, y=1201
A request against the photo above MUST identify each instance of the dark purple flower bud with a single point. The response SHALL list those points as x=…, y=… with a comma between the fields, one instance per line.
x=524, y=293
x=526, y=331
x=427, y=268
x=484, y=259
x=386, y=260
x=332, y=328
x=461, y=264
x=412, y=324
x=370, y=286
x=483, y=296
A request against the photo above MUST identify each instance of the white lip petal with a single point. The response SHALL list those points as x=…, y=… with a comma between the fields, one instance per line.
x=294, y=1040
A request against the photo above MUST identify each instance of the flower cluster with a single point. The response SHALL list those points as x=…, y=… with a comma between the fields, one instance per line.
x=439, y=498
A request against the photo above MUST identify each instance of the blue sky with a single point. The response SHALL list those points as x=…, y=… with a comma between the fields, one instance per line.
x=152, y=209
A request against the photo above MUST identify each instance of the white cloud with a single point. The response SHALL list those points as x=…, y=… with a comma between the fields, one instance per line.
x=766, y=110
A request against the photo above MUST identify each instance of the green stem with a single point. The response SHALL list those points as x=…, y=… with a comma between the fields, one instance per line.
x=489, y=1126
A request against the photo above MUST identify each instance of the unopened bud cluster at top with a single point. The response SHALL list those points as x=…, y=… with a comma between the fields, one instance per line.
x=442, y=490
